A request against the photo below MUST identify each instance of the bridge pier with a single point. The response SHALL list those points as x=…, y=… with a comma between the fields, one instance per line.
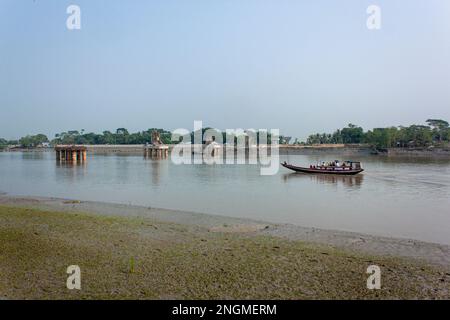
x=156, y=151
x=71, y=153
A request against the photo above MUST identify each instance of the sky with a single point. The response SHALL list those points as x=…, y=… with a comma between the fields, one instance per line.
x=298, y=66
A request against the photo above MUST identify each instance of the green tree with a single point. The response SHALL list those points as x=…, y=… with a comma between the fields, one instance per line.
x=419, y=136
x=33, y=141
x=108, y=138
x=122, y=136
x=352, y=134
x=440, y=128
x=3, y=143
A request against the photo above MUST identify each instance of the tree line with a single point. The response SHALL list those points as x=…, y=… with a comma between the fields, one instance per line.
x=29, y=141
x=120, y=136
x=435, y=132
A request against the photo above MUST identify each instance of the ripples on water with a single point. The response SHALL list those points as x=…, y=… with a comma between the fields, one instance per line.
x=393, y=197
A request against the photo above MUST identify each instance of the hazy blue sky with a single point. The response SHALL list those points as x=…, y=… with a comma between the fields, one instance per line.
x=300, y=66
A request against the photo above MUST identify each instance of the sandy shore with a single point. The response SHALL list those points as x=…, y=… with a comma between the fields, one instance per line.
x=150, y=253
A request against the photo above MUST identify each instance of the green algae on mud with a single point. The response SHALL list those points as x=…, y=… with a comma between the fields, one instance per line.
x=140, y=258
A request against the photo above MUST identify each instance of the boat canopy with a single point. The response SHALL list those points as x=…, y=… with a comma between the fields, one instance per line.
x=354, y=164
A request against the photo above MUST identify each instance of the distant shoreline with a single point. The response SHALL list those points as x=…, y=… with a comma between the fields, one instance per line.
x=338, y=149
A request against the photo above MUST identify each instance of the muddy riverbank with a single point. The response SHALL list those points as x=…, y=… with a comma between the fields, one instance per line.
x=327, y=149
x=136, y=252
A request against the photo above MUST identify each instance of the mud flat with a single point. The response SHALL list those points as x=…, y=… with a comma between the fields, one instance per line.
x=329, y=149
x=325, y=149
x=131, y=148
x=443, y=153
x=128, y=252
x=365, y=150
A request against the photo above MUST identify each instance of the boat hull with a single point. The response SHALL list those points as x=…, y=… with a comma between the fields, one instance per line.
x=322, y=171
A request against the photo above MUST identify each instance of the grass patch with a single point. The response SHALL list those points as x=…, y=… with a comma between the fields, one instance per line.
x=133, y=258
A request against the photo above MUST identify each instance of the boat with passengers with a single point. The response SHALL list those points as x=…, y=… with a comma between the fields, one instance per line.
x=334, y=167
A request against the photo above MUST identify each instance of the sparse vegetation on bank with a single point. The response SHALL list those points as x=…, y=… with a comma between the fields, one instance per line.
x=129, y=258
x=436, y=132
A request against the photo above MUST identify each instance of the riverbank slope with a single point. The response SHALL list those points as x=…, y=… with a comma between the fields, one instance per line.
x=158, y=254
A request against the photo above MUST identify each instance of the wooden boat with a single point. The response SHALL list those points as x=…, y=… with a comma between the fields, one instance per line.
x=351, y=169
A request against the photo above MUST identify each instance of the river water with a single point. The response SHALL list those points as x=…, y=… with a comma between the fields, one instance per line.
x=407, y=198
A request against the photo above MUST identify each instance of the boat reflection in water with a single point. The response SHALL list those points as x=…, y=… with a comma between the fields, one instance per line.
x=329, y=179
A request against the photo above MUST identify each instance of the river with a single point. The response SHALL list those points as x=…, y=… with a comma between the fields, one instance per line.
x=406, y=198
